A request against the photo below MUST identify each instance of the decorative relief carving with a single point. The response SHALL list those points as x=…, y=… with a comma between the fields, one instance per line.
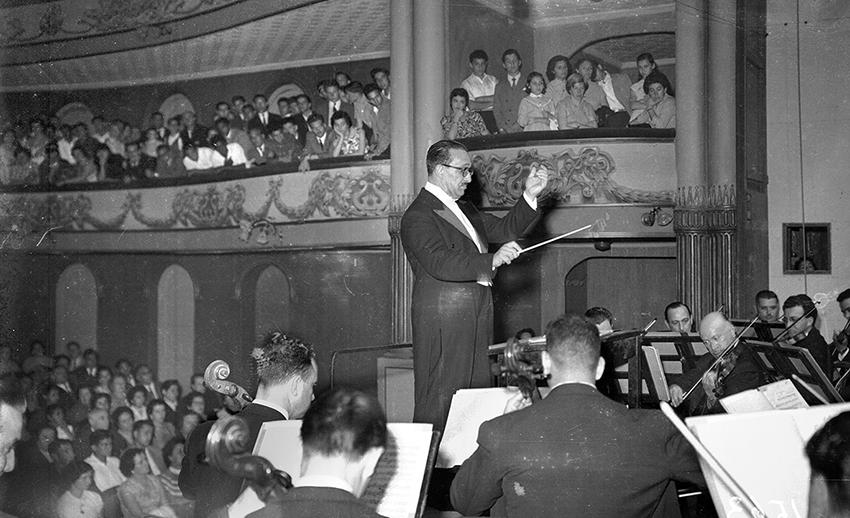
x=584, y=177
x=330, y=194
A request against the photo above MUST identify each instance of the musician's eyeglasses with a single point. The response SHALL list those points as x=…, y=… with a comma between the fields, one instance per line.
x=465, y=171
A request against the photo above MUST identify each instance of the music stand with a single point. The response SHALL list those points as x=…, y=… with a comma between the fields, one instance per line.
x=784, y=362
x=622, y=348
x=761, y=331
x=429, y=469
x=683, y=348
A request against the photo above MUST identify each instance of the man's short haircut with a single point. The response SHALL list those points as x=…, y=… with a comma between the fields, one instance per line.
x=155, y=402
x=478, y=54
x=169, y=448
x=597, y=315
x=279, y=357
x=767, y=295
x=338, y=72
x=167, y=384
x=573, y=341
x=508, y=52
x=829, y=456
x=645, y=56
x=844, y=295
x=440, y=153
x=675, y=305
x=99, y=435
x=73, y=471
x=222, y=120
x=222, y=103
x=371, y=87
x=304, y=96
x=128, y=461
x=10, y=391
x=289, y=119
x=137, y=388
x=344, y=422
x=354, y=86
x=315, y=117
x=260, y=96
x=53, y=448
x=805, y=302
x=138, y=425
x=236, y=98
x=378, y=70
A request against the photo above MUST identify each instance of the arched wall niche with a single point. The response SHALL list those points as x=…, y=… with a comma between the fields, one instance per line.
x=175, y=325
x=76, y=308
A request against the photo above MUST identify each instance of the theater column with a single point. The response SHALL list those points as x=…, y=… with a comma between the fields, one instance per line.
x=429, y=72
x=722, y=159
x=691, y=219
x=402, y=166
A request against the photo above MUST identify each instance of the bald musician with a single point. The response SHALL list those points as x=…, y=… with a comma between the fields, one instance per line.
x=576, y=452
x=738, y=374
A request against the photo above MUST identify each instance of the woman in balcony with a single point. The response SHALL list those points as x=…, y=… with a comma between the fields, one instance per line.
x=593, y=94
x=536, y=111
x=350, y=140
x=661, y=109
x=462, y=123
x=573, y=112
x=557, y=71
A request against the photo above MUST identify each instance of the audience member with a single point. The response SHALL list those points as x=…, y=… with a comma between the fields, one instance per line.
x=557, y=71
x=231, y=134
x=197, y=158
x=173, y=453
x=333, y=104
x=264, y=120
x=211, y=399
x=122, y=429
x=364, y=117
x=192, y=132
x=617, y=88
x=77, y=501
x=347, y=140
x=102, y=401
x=12, y=407
x=305, y=110
x=143, y=439
x=54, y=169
x=460, y=122
x=163, y=431
x=841, y=339
x=320, y=141
x=382, y=131
x=284, y=141
x=342, y=79
x=573, y=112
x=169, y=162
x=97, y=420
x=171, y=398
x=142, y=494
x=570, y=439
x=638, y=98
x=188, y=422
x=661, y=108
x=107, y=474
x=109, y=165
x=158, y=125
x=125, y=368
x=226, y=155
x=174, y=139
x=56, y=419
x=381, y=77
x=138, y=166
x=479, y=84
x=677, y=317
x=594, y=94
x=104, y=380
x=138, y=396
x=79, y=408
x=800, y=320
x=767, y=306
x=260, y=152
x=536, y=112
x=237, y=116
x=24, y=171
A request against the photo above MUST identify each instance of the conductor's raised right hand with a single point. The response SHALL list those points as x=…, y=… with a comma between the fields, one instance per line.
x=507, y=253
x=676, y=395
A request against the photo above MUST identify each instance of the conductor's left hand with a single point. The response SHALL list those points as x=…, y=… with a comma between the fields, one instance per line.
x=537, y=180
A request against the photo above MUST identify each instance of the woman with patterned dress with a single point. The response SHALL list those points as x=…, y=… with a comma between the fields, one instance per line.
x=350, y=140
x=142, y=494
x=462, y=123
x=536, y=111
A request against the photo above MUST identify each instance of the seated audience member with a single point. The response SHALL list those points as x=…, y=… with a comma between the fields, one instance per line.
x=260, y=152
x=138, y=402
x=237, y=119
x=107, y=474
x=158, y=125
x=557, y=71
x=122, y=429
x=677, y=317
x=27, y=483
x=660, y=110
x=56, y=419
x=601, y=318
x=174, y=139
x=222, y=111
x=382, y=131
x=79, y=409
x=801, y=319
x=104, y=380
x=7, y=363
x=348, y=140
x=717, y=334
x=536, y=112
x=113, y=138
x=98, y=419
x=37, y=360
x=233, y=135
x=460, y=122
x=320, y=91
x=143, y=439
x=169, y=162
x=284, y=141
x=137, y=166
x=173, y=453
x=102, y=401
x=54, y=168
x=617, y=88
x=226, y=155
x=62, y=453
x=594, y=95
x=381, y=77
x=211, y=399
x=109, y=165
x=287, y=372
x=171, y=397
x=767, y=306
x=125, y=368
x=479, y=84
x=151, y=143
x=188, y=422
x=142, y=494
x=197, y=158
x=509, y=93
x=87, y=373
x=828, y=451
x=333, y=103
x=343, y=434
x=573, y=112
x=305, y=110
x=363, y=114
x=194, y=402
x=192, y=132
x=320, y=141
x=24, y=171
x=342, y=79
x=283, y=107
x=637, y=97
x=100, y=130
x=163, y=431
x=77, y=501
x=264, y=120
x=614, y=461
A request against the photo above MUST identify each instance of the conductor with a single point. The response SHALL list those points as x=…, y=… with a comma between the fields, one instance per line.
x=446, y=242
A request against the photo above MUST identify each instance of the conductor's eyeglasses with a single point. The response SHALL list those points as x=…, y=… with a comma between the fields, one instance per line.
x=465, y=171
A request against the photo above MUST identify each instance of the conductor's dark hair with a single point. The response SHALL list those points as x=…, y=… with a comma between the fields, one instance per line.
x=805, y=302
x=344, y=422
x=572, y=340
x=829, y=456
x=128, y=461
x=675, y=305
x=767, y=295
x=597, y=315
x=440, y=153
x=844, y=295
x=279, y=357
x=73, y=471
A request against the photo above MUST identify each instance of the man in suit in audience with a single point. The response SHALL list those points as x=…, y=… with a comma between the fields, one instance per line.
x=841, y=339
x=446, y=242
x=259, y=152
x=333, y=103
x=305, y=110
x=158, y=123
x=144, y=377
x=264, y=119
x=343, y=435
x=576, y=449
x=287, y=372
x=192, y=132
x=509, y=93
x=320, y=141
x=231, y=134
x=382, y=117
x=87, y=374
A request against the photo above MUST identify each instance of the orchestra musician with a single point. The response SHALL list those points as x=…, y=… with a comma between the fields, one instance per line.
x=677, y=316
x=287, y=372
x=767, y=306
x=736, y=373
x=800, y=321
x=841, y=339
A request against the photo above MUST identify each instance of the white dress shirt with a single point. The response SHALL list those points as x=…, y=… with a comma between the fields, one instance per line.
x=273, y=406
x=106, y=474
x=205, y=160
x=608, y=88
x=480, y=87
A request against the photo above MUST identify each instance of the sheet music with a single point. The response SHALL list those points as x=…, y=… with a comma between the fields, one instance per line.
x=780, y=395
x=394, y=487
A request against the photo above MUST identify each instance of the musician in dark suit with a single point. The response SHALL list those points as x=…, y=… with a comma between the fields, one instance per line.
x=446, y=244
x=739, y=372
x=576, y=451
x=840, y=352
x=343, y=435
x=287, y=371
x=801, y=316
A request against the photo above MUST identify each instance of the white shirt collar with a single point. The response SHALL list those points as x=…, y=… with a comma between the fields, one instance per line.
x=573, y=383
x=324, y=481
x=273, y=406
x=441, y=195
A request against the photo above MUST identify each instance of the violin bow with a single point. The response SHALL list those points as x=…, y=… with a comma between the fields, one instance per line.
x=722, y=355
x=781, y=335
